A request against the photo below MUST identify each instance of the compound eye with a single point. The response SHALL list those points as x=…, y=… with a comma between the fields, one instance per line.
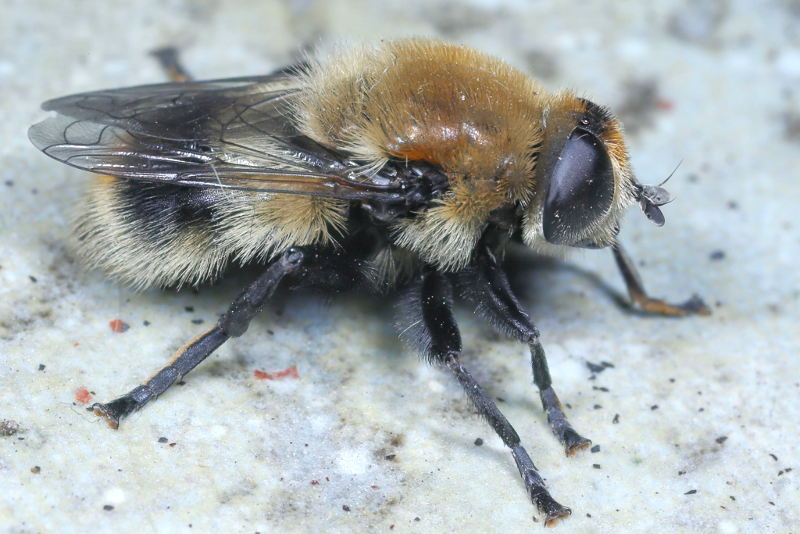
x=581, y=188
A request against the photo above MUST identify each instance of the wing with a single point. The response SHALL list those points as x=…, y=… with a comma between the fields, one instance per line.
x=233, y=133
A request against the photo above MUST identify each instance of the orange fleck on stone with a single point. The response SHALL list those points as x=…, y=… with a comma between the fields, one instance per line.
x=277, y=375
x=118, y=326
x=665, y=105
x=82, y=395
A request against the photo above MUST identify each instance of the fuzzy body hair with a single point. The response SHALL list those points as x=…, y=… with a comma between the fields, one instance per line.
x=480, y=121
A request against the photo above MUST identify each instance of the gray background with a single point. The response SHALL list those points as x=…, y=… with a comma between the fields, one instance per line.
x=712, y=84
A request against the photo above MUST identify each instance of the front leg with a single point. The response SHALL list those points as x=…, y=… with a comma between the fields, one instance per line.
x=486, y=285
x=640, y=298
x=427, y=322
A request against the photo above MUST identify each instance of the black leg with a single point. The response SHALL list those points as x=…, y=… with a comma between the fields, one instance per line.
x=168, y=58
x=430, y=325
x=487, y=287
x=639, y=297
x=232, y=323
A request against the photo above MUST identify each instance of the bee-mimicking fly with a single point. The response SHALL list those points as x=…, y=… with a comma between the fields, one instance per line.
x=407, y=167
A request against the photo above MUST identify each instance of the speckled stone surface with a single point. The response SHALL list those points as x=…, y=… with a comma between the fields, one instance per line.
x=696, y=422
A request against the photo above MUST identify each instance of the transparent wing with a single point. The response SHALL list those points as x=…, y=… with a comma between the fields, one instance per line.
x=233, y=133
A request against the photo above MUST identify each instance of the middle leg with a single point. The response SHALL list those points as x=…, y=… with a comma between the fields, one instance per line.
x=487, y=287
x=431, y=327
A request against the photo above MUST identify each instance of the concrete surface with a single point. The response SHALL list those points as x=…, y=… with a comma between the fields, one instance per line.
x=697, y=420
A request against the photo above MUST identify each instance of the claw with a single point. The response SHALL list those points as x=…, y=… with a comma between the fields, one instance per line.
x=693, y=306
x=696, y=305
x=574, y=443
x=551, y=509
x=107, y=413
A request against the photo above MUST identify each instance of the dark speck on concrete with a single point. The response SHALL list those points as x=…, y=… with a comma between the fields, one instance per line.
x=36, y=469
x=596, y=448
x=198, y=321
x=598, y=368
x=345, y=508
x=593, y=367
x=32, y=278
x=42, y=366
x=691, y=492
x=717, y=255
x=162, y=440
x=616, y=419
x=721, y=439
x=107, y=507
x=478, y=442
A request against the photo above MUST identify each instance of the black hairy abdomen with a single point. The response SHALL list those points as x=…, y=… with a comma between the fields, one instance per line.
x=160, y=208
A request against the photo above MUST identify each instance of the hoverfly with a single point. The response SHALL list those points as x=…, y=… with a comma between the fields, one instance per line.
x=407, y=167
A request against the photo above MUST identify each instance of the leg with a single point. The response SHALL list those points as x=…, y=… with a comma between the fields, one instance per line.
x=432, y=327
x=168, y=58
x=639, y=297
x=232, y=323
x=486, y=286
